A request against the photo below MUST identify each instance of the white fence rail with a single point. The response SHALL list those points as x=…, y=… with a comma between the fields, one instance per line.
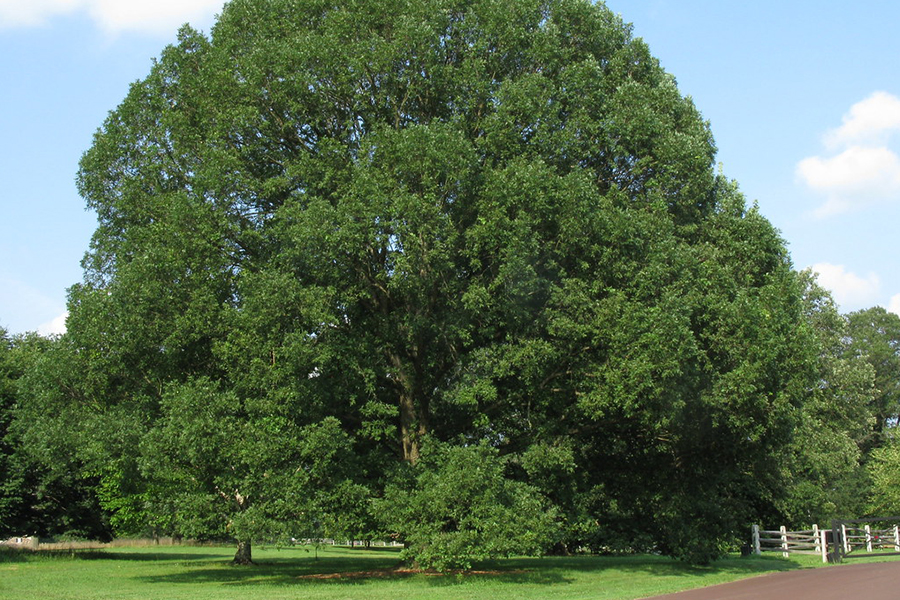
x=809, y=541
x=814, y=541
x=857, y=538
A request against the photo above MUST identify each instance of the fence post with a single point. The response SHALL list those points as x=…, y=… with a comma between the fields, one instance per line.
x=784, y=544
x=816, y=538
x=823, y=545
x=845, y=540
x=756, y=547
x=896, y=538
x=836, y=555
x=868, y=538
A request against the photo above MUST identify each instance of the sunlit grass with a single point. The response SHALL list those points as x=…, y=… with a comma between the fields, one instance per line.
x=201, y=573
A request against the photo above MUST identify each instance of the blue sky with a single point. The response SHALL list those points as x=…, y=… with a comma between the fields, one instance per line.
x=803, y=98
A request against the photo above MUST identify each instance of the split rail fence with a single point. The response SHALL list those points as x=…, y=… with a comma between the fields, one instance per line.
x=809, y=541
x=852, y=537
x=815, y=541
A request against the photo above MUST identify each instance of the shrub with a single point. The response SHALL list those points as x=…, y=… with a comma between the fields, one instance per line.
x=456, y=506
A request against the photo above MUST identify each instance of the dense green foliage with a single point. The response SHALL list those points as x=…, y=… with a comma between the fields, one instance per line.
x=482, y=240
x=825, y=462
x=884, y=469
x=12, y=481
x=874, y=336
x=43, y=489
x=460, y=508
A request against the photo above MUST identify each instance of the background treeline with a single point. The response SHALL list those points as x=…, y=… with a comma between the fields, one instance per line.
x=459, y=272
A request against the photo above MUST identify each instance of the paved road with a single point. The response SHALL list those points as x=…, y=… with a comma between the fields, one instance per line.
x=866, y=581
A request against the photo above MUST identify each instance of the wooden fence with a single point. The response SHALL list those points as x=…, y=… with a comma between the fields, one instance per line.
x=809, y=541
x=859, y=535
x=815, y=541
x=346, y=542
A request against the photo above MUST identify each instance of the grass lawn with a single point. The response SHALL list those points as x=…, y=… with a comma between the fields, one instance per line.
x=197, y=573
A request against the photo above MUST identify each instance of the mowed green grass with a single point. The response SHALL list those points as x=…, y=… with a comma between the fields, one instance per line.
x=203, y=573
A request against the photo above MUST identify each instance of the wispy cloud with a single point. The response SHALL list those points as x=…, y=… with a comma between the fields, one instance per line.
x=15, y=13
x=894, y=304
x=55, y=327
x=851, y=291
x=113, y=16
x=22, y=306
x=866, y=169
x=868, y=121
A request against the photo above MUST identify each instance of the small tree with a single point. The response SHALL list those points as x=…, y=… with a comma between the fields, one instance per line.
x=223, y=467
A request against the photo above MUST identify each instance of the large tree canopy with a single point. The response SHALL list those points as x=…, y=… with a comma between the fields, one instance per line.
x=475, y=221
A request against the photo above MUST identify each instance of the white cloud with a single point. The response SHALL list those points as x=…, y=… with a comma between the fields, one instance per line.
x=114, y=16
x=849, y=289
x=55, y=327
x=150, y=15
x=869, y=121
x=894, y=304
x=857, y=176
x=866, y=168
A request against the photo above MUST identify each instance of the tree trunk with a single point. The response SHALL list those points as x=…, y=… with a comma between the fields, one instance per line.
x=413, y=408
x=408, y=428
x=243, y=556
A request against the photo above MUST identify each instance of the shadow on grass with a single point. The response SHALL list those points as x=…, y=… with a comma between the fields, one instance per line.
x=188, y=558
x=653, y=564
x=367, y=567
x=270, y=574
x=290, y=570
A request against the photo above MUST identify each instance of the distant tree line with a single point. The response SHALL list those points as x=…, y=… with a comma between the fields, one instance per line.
x=456, y=272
